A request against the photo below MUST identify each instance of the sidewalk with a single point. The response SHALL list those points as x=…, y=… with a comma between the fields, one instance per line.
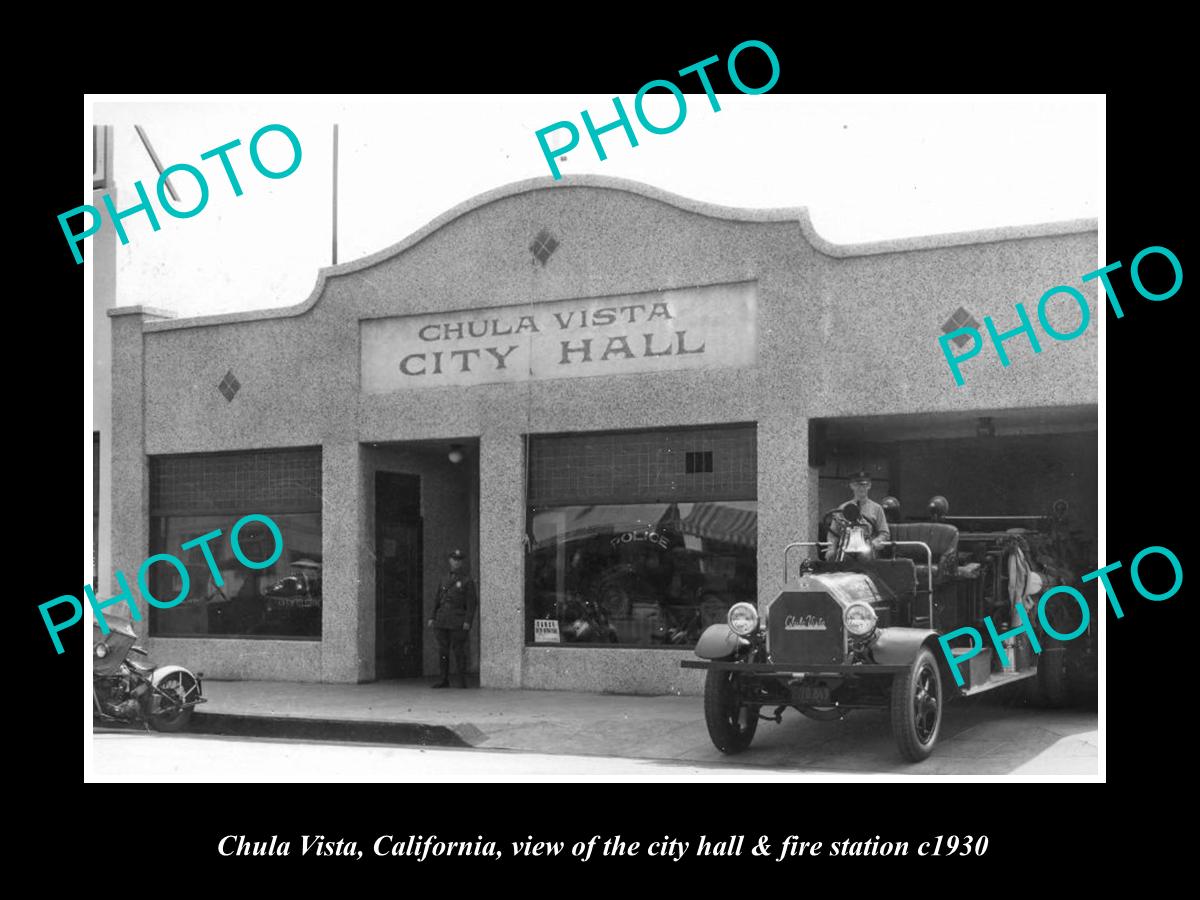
x=978, y=738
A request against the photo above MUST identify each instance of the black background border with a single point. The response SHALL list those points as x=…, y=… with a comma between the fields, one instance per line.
x=1148, y=405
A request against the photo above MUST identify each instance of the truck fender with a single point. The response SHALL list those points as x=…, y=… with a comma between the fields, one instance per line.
x=718, y=642
x=899, y=646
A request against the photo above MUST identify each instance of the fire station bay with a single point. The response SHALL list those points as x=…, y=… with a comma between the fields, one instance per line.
x=619, y=403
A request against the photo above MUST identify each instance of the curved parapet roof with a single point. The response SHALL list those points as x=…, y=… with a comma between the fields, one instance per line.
x=798, y=214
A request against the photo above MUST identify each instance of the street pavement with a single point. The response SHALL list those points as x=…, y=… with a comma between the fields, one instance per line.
x=155, y=757
x=143, y=757
x=994, y=734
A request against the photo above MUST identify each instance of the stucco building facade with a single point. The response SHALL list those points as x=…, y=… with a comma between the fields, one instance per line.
x=647, y=398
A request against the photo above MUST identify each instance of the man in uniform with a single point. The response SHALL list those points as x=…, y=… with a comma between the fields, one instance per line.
x=860, y=484
x=453, y=614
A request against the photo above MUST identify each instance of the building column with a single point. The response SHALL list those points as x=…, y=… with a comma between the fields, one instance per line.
x=347, y=651
x=787, y=500
x=104, y=298
x=129, y=495
x=501, y=559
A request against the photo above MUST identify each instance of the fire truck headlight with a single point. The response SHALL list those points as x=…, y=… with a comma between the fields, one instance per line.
x=859, y=619
x=102, y=650
x=743, y=618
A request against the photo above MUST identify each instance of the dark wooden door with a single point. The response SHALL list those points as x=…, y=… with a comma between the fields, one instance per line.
x=398, y=594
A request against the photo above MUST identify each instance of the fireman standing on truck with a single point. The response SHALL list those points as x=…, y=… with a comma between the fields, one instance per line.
x=453, y=615
x=860, y=484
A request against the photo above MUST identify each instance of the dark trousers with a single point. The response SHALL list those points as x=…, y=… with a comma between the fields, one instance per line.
x=452, y=639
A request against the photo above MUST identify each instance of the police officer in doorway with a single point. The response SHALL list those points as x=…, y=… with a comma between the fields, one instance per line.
x=453, y=615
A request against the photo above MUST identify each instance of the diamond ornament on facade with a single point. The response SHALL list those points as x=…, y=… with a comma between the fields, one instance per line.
x=960, y=319
x=543, y=246
x=229, y=386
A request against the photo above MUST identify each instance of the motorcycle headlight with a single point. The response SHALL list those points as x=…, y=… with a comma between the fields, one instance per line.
x=102, y=650
x=743, y=618
x=859, y=619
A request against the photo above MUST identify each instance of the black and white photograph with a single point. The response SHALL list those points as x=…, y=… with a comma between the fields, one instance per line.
x=697, y=434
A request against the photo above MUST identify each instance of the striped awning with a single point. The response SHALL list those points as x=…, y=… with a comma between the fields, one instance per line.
x=715, y=522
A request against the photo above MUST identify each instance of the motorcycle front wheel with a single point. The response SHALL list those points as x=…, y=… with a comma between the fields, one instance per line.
x=170, y=717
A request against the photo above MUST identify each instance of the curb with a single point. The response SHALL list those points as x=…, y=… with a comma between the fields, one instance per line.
x=357, y=731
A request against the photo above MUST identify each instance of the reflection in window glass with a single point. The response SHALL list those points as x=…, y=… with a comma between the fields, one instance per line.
x=638, y=574
x=283, y=600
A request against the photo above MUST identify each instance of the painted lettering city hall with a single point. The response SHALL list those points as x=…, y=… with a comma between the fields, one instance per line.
x=712, y=326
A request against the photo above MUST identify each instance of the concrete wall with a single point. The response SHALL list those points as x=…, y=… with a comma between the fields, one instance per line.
x=841, y=330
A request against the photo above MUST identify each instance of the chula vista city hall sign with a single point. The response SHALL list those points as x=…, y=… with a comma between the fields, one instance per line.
x=688, y=328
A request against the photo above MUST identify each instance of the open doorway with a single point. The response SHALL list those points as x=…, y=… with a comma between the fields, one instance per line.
x=1004, y=503
x=398, y=576
x=424, y=503
x=1014, y=464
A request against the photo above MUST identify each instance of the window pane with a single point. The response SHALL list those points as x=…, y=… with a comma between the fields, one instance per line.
x=271, y=481
x=638, y=574
x=716, y=463
x=283, y=600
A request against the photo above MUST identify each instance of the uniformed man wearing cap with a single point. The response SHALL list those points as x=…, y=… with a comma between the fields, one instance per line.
x=453, y=615
x=860, y=484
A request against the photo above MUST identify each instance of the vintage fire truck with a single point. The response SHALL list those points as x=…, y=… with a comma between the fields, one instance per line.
x=859, y=629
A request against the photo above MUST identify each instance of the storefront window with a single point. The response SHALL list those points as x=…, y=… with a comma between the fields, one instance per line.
x=282, y=601
x=639, y=538
x=640, y=574
x=195, y=495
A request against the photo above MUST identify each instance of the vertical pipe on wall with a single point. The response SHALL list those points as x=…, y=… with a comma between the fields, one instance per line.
x=335, y=174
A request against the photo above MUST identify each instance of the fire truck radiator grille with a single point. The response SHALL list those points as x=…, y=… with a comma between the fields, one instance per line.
x=805, y=628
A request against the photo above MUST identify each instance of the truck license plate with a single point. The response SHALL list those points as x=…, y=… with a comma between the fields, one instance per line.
x=815, y=694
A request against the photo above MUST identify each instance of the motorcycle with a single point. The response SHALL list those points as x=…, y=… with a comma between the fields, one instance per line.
x=125, y=690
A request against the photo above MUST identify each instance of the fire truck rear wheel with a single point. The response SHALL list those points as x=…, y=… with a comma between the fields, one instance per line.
x=1052, y=687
